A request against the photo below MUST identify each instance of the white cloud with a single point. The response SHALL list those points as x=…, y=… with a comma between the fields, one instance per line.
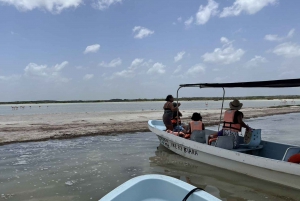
x=141, y=32
x=130, y=71
x=287, y=50
x=43, y=72
x=248, y=6
x=88, y=76
x=157, y=68
x=270, y=37
x=196, y=70
x=124, y=73
x=10, y=78
x=59, y=67
x=179, y=56
x=104, y=4
x=224, y=55
x=255, y=61
x=189, y=21
x=92, y=49
x=113, y=63
x=179, y=20
x=135, y=63
x=225, y=40
x=177, y=70
x=53, y=6
x=206, y=12
x=273, y=37
x=291, y=33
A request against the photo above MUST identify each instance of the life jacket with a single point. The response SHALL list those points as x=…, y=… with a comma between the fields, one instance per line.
x=229, y=121
x=174, y=121
x=196, y=126
x=187, y=136
x=294, y=158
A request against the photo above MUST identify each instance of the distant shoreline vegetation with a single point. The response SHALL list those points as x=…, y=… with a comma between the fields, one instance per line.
x=157, y=99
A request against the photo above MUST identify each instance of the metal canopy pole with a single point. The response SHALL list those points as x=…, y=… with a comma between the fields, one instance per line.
x=221, y=108
x=177, y=106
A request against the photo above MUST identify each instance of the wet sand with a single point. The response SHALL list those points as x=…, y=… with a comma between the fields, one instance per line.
x=38, y=127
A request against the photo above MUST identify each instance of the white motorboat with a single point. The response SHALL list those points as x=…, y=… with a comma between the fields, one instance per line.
x=155, y=187
x=258, y=158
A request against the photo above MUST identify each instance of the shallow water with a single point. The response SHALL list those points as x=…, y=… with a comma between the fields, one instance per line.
x=89, y=167
x=129, y=106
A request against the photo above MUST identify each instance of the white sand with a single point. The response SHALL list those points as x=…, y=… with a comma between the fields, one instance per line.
x=49, y=126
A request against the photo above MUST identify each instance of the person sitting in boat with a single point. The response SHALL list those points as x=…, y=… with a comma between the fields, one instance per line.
x=177, y=128
x=180, y=133
x=195, y=125
x=168, y=112
x=233, y=122
x=176, y=119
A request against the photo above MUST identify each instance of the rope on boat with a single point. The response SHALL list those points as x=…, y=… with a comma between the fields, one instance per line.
x=221, y=109
x=191, y=192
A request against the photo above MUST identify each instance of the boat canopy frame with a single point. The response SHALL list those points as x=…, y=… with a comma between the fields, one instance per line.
x=286, y=83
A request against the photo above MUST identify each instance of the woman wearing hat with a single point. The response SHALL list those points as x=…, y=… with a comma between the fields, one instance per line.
x=233, y=121
x=168, y=112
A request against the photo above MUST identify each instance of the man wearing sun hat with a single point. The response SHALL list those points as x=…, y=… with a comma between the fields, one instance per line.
x=233, y=121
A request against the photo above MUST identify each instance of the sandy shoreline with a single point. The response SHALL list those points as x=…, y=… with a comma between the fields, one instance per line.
x=37, y=127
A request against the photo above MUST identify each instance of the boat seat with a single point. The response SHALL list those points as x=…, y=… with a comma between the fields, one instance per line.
x=252, y=139
x=198, y=136
x=225, y=142
x=289, y=152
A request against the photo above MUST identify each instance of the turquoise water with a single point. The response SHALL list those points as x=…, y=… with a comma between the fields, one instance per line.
x=87, y=168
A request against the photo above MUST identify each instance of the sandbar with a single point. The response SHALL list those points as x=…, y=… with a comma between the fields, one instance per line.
x=38, y=127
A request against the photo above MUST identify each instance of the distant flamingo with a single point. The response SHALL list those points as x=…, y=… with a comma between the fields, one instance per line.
x=283, y=102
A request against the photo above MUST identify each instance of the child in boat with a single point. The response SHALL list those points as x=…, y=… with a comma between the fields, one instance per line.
x=180, y=134
x=195, y=125
x=176, y=119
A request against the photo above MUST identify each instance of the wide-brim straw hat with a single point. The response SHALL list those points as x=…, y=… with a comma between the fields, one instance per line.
x=235, y=104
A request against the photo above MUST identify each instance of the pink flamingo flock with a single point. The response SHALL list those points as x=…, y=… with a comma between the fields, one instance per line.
x=21, y=107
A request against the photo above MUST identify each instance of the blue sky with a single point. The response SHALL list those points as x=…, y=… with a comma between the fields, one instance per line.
x=104, y=49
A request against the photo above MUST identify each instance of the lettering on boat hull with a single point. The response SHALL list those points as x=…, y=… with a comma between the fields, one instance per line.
x=170, y=144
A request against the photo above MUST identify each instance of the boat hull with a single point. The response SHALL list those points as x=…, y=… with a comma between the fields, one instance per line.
x=156, y=188
x=276, y=171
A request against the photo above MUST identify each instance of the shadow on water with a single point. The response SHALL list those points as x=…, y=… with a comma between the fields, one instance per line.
x=224, y=184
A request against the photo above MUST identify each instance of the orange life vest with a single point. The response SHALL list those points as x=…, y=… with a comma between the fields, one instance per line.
x=294, y=158
x=187, y=136
x=196, y=126
x=174, y=121
x=229, y=121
